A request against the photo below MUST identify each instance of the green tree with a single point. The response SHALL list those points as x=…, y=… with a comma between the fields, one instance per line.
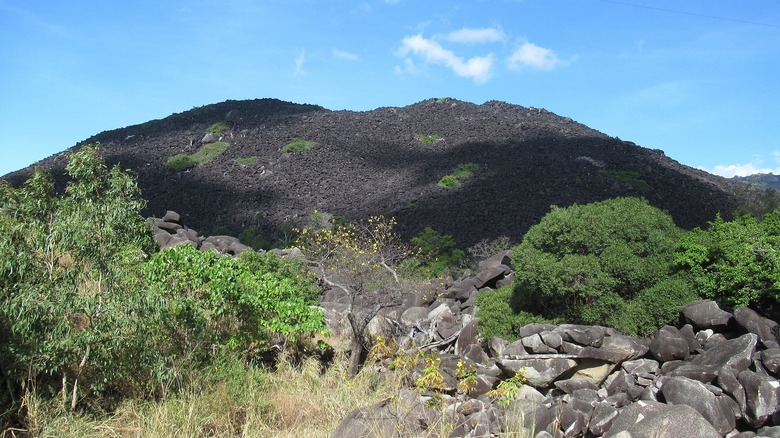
x=71, y=310
x=735, y=262
x=587, y=263
x=438, y=252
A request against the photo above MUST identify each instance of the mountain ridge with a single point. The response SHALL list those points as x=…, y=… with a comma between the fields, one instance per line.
x=389, y=161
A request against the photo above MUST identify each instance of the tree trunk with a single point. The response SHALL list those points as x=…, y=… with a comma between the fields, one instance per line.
x=355, y=356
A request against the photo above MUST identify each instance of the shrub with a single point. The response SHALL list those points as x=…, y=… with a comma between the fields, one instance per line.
x=180, y=162
x=427, y=139
x=499, y=317
x=206, y=153
x=218, y=128
x=298, y=145
x=585, y=263
x=736, y=262
x=438, y=253
x=464, y=171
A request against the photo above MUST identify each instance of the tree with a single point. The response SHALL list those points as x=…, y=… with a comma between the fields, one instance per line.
x=352, y=257
x=735, y=262
x=70, y=305
x=587, y=263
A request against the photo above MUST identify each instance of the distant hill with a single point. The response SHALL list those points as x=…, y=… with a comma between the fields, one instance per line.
x=390, y=161
x=760, y=180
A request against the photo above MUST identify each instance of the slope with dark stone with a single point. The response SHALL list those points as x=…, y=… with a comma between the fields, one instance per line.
x=376, y=162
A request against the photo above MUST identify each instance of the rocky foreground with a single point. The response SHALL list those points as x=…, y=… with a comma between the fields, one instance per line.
x=714, y=374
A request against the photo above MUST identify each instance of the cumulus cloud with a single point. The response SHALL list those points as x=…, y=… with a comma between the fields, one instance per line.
x=341, y=54
x=532, y=56
x=474, y=36
x=478, y=68
x=730, y=170
x=300, y=60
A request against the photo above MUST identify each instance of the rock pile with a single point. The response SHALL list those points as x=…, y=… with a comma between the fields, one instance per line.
x=169, y=232
x=714, y=374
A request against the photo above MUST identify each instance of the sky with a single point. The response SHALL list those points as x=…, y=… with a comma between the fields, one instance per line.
x=699, y=80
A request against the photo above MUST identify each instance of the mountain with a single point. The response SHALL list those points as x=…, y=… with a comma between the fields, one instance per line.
x=390, y=161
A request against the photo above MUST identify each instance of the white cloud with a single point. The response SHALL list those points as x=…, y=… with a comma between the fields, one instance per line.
x=341, y=54
x=477, y=68
x=473, y=36
x=300, y=60
x=532, y=56
x=741, y=170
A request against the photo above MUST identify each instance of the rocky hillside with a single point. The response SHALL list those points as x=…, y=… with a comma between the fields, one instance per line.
x=390, y=161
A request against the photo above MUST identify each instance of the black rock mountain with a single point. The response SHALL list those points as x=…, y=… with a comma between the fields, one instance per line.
x=390, y=160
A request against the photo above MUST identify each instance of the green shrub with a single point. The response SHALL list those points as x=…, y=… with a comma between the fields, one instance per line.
x=464, y=171
x=498, y=317
x=206, y=153
x=218, y=128
x=585, y=263
x=437, y=252
x=427, y=139
x=247, y=161
x=180, y=162
x=209, y=151
x=298, y=145
x=735, y=262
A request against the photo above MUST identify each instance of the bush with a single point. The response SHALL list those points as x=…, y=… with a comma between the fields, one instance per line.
x=180, y=162
x=218, y=128
x=499, y=318
x=203, y=155
x=736, y=262
x=437, y=252
x=455, y=179
x=298, y=145
x=585, y=263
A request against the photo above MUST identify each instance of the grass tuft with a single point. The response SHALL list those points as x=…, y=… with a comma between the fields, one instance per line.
x=206, y=153
x=298, y=145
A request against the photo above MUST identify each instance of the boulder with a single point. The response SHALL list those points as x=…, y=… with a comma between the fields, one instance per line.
x=764, y=328
x=536, y=345
x=171, y=216
x=616, y=348
x=540, y=373
x=705, y=314
x=771, y=360
x=405, y=415
x=762, y=395
x=736, y=353
x=668, y=344
x=685, y=391
x=653, y=419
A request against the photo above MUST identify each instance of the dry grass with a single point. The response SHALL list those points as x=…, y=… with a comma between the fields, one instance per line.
x=229, y=401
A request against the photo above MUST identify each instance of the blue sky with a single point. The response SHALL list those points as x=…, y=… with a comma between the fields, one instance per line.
x=699, y=80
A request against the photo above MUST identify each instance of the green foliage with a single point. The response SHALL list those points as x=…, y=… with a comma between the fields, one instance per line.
x=586, y=263
x=507, y=389
x=251, y=236
x=437, y=252
x=247, y=161
x=736, y=262
x=218, y=128
x=217, y=301
x=455, y=179
x=298, y=145
x=74, y=319
x=205, y=154
x=427, y=138
x=180, y=162
x=627, y=177
x=500, y=317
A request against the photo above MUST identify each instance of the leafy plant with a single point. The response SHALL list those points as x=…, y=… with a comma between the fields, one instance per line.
x=73, y=315
x=218, y=128
x=205, y=154
x=734, y=262
x=427, y=139
x=298, y=145
x=455, y=179
x=585, y=263
x=437, y=252
x=507, y=389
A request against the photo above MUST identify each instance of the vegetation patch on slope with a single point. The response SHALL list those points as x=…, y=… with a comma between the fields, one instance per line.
x=206, y=153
